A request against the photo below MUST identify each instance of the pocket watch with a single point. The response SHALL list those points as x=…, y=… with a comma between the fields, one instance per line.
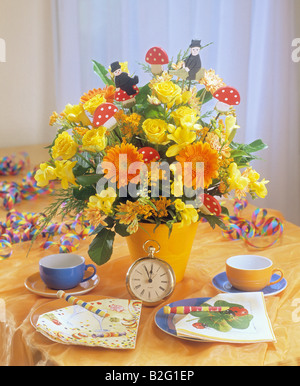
x=150, y=279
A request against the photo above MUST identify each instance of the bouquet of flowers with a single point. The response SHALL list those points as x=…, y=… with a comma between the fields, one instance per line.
x=126, y=155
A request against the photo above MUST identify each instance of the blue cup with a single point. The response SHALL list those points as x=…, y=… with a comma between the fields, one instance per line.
x=64, y=270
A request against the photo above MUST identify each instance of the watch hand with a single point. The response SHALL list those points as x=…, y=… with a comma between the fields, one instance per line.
x=151, y=270
x=150, y=280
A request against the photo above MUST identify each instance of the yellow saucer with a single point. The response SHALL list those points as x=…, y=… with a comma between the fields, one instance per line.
x=35, y=284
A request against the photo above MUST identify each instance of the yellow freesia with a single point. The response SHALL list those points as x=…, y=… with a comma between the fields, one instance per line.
x=236, y=180
x=179, y=205
x=253, y=175
x=103, y=201
x=183, y=136
x=94, y=140
x=260, y=188
x=76, y=114
x=187, y=213
x=230, y=127
x=64, y=146
x=44, y=174
x=64, y=171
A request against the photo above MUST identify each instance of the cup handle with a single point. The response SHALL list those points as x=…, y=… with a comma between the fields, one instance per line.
x=94, y=272
x=278, y=280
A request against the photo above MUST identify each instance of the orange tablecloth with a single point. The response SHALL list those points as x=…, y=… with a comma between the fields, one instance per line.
x=20, y=344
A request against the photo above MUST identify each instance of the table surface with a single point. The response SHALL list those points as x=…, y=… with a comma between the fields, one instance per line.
x=20, y=344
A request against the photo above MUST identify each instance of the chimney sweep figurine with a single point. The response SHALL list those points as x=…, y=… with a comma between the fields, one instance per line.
x=193, y=63
x=123, y=80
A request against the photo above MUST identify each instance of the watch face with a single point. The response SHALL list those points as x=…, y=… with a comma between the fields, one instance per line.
x=150, y=280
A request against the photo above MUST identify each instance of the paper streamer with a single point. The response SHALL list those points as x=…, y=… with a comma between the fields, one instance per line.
x=13, y=165
x=260, y=225
x=13, y=193
x=20, y=227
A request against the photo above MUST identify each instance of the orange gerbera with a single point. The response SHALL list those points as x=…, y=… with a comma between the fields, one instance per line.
x=108, y=92
x=116, y=167
x=199, y=152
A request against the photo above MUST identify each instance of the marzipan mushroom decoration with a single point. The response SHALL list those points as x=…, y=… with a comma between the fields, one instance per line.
x=157, y=57
x=226, y=96
x=104, y=116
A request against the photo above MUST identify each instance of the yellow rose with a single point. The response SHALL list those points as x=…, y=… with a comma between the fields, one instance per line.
x=156, y=131
x=76, y=114
x=184, y=113
x=166, y=91
x=94, y=140
x=103, y=201
x=64, y=146
x=93, y=103
x=64, y=171
x=44, y=175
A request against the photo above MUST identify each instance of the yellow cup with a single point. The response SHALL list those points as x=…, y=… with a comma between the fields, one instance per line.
x=251, y=272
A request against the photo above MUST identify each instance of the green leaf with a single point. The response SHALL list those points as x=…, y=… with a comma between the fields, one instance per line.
x=225, y=211
x=205, y=96
x=121, y=229
x=256, y=146
x=84, y=193
x=154, y=112
x=216, y=320
x=87, y=180
x=241, y=322
x=214, y=220
x=144, y=91
x=79, y=170
x=101, y=248
x=101, y=71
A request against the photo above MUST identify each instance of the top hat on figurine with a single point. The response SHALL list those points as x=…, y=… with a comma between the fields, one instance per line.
x=115, y=66
x=195, y=43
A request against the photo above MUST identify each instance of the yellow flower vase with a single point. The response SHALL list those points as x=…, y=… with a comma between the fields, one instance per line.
x=175, y=249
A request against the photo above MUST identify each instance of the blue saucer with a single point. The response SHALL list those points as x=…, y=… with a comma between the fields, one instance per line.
x=221, y=282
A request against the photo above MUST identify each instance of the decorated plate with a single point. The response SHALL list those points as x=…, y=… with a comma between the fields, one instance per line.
x=35, y=284
x=166, y=322
x=74, y=325
x=222, y=283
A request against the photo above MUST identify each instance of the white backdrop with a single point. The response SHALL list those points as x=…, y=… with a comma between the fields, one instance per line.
x=252, y=48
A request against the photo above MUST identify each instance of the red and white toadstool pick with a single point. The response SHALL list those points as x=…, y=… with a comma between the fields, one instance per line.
x=104, y=116
x=227, y=96
x=210, y=205
x=149, y=154
x=157, y=57
x=126, y=100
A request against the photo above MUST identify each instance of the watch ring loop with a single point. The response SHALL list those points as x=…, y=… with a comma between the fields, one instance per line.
x=148, y=241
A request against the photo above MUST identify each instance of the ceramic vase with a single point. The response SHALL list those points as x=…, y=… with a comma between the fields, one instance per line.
x=175, y=249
